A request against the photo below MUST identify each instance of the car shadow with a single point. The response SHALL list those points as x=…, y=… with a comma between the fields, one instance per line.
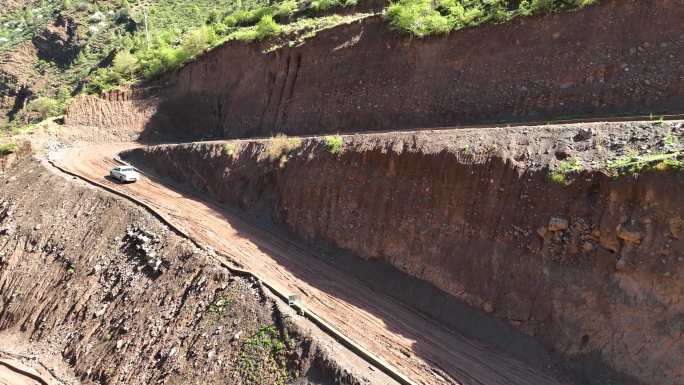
x=117, y=181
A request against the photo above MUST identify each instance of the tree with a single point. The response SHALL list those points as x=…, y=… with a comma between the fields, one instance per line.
x=45, y=107
x=125, y=63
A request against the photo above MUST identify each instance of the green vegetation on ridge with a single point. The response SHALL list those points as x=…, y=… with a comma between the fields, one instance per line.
x=436, y=17
x=21, y=24
x=632, y=164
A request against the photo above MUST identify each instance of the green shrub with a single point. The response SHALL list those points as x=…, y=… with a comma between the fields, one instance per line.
x=45, y=107
x=280, y=145
x=629, y=165
x=267, y=27
x=434, y=17
x=103, y=80
x=125, y=63
x=229, y=148
x=245, y=18
x=558, y=177
x=533, y=7
x=324, y=5
x=8, y=148
x=197, y=41
x=564, y=168
x=263, y=357
x=287, y=8
x=334, y=143
x=417, y=17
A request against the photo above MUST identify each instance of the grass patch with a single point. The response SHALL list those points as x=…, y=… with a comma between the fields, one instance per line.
x=229, y=148
x=8, y=148
x=564, y=168
x=671, y=140
x=265, y=28
x=334, y=143
x=280, y=146
x=262, y=359
x=633, y=164
x=220, y=306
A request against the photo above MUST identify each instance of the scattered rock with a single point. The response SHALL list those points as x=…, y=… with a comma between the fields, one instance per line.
x=558, y=224
x=583, y=134
x=629, y=233
x=236, y=336
x=563, y=153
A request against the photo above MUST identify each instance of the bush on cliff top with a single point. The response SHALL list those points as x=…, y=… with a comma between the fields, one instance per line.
x=7, y=148
x=437, y=17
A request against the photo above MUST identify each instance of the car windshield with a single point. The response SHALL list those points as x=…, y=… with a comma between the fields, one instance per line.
x=127, y=169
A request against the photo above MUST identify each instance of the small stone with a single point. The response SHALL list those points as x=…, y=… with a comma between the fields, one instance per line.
x=620, y=265
x=558, y=224
x=563, y=153
x=236, y=336
x=100, y=312
x=587, y=247
x=583, y=134
x=630, y=234
x=36, y=227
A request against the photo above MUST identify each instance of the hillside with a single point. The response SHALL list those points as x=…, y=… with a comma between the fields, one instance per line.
x=53, y=50
x=342, y=192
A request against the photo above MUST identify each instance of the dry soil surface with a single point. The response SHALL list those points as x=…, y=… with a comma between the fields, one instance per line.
x=418, y=347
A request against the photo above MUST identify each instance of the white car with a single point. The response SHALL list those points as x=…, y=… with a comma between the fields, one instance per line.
x=124, y=174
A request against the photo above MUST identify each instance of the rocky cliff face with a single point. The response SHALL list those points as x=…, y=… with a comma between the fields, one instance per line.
x=619, y=57
x=592, y=267
x=125, y=301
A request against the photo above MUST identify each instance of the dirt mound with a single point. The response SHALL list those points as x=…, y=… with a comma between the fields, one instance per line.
x=574, y=261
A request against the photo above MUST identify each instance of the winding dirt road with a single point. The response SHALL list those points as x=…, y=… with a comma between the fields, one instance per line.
x=418, y=347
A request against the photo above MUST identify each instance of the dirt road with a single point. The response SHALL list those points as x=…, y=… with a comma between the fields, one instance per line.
x=421, y=349
x=10, y=377
x=13, y=372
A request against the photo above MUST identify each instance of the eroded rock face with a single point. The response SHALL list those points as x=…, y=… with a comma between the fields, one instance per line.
x=59, y=43
x=78, y=273
x=592, y=268
x=608, y=59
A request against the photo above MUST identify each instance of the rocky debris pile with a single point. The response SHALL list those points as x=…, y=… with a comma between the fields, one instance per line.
x=144, y=245
x=657, y=137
